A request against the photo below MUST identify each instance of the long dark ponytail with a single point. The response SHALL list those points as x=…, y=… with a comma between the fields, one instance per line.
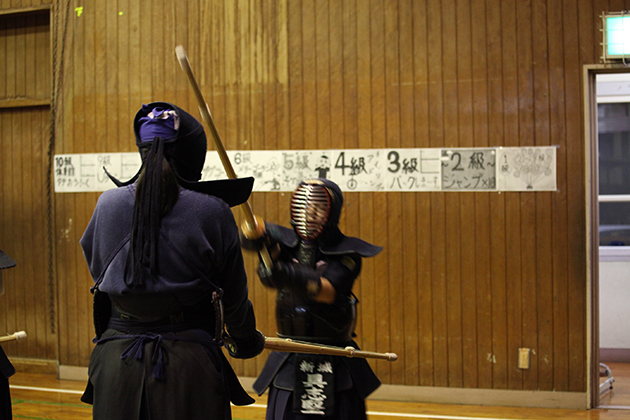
x=157, y=191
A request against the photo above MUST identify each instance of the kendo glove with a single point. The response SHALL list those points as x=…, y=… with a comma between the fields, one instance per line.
x=247, y=348
x=266, y=276
x=299, y=279
x=255, y=240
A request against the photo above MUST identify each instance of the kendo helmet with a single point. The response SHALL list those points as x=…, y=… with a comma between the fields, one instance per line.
x=184, y=146
x=184, y=137
x=315, y=208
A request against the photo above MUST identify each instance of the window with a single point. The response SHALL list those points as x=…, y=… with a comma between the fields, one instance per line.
x=613, y=126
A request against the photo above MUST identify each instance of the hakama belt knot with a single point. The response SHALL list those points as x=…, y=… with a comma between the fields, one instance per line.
x=136, y=349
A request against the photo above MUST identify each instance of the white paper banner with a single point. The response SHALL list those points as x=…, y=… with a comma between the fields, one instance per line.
x=366, y=170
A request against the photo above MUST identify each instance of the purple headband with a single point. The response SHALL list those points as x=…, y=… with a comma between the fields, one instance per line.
x=162, y=123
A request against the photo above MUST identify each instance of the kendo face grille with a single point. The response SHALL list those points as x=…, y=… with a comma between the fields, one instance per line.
x=310, y=209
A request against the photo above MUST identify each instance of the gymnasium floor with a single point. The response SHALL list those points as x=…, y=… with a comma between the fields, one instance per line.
x=43, y=397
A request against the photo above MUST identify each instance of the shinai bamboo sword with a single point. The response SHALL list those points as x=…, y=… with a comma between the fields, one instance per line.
x=290, y=346
x=15, y=336
x=255, y=224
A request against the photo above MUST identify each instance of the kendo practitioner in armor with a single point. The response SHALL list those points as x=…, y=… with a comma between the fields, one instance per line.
x=164, y=252
x=314, y=269
x=6, y=368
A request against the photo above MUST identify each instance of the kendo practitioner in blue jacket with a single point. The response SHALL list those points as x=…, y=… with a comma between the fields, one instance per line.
x=314, y=269
x=6, y=368
x=164, y=252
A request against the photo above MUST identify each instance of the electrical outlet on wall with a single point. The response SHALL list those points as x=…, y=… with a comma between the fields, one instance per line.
x=523, y=358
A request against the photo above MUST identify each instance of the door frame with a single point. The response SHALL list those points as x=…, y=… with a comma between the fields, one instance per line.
x=591, y=162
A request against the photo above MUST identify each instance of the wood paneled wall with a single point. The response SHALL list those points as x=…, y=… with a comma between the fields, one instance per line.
x=465, y=278
x=25, y=82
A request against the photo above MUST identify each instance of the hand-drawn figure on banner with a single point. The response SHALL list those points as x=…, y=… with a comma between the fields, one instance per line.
x=315, y=266
x=323, y=167
x=270, y=175
x=266, y=176
x=164, y=252
x=526, y=169
x=532, y=164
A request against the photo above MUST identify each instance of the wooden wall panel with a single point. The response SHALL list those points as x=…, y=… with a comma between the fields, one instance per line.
x=28, y=303
x=496, y=134
x=465, y=279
